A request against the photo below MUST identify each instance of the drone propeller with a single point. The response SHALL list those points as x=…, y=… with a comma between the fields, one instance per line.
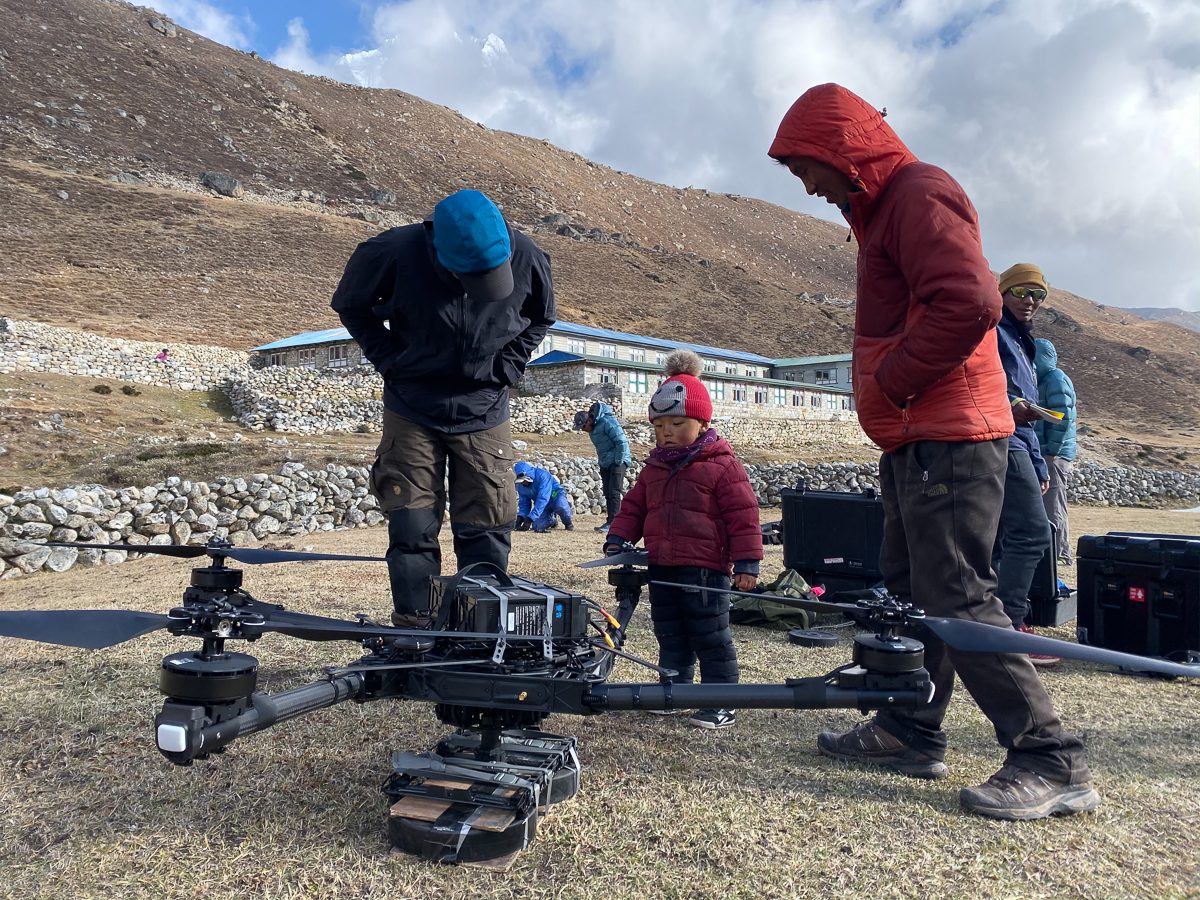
x=91, y=629
x=248, y=555
x=979, y=637
x=628, y=558
x=94, y=629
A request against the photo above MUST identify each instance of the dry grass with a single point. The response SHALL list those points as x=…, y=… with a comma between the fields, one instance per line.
x=91, y=809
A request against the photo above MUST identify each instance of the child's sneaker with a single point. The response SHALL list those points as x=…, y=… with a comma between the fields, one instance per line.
x=713, y=718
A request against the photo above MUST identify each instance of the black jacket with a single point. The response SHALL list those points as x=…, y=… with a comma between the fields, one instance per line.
x=447, y=361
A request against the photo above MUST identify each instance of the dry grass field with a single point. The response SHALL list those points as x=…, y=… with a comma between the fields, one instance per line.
x=88, y=808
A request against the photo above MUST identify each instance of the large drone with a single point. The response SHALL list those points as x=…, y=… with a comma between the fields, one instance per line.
x=504, y=654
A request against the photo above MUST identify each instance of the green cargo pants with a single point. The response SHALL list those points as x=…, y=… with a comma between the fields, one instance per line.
x=412, y=469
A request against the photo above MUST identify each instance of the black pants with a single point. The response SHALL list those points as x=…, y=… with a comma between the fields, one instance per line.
x=692, y=624
x=612, y=482
x=409, y=478
x=941, y=506
x=1023, y=538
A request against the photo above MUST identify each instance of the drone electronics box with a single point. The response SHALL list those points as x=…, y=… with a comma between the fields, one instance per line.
x=833, y=538
x=478, y=601
x=1140, y=593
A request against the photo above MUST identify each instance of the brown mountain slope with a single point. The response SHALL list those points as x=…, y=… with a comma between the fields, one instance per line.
x=89, y=91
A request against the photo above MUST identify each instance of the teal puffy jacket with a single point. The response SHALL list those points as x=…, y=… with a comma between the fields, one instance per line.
x=1055, y=391
x=612, y=447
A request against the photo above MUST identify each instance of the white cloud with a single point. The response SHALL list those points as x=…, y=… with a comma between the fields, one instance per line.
x=206, y=19
x=1073, y=124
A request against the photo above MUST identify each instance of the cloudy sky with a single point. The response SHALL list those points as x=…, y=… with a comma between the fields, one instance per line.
x=1074, y=125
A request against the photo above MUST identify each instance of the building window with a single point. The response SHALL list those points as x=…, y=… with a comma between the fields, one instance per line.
x=760, y=395
x=544, y=347
x=339, y=355
x=637, y=354
x=797, y=398
x=716, y=389
x=608, y=351
x=825, y=376
x=637, y=382
x=847, y=403
x=849, y=375
x=831, y=402
x=739, y=393
x=275, y=359
x=574, y=346
x=730, y=368
x=710, y=365
x=751, y=372
x=307, y=357
x=608, y=375
x=780, y=396
x=814, y=400
x=660, y=359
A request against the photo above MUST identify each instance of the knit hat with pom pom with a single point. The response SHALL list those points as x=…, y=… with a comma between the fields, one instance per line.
x=682, y=394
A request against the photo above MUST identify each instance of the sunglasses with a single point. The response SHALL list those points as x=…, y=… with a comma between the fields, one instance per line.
x=1038, y=294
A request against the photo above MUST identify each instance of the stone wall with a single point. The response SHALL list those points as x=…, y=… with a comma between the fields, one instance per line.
x=297, y=500
x=33, y=347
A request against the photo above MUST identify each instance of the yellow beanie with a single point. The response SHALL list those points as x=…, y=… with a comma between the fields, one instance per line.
x=1022, y=273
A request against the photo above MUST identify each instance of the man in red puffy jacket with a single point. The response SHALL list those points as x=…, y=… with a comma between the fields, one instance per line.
x=931, y=393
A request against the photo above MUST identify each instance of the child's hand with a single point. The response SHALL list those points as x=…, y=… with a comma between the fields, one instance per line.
x=745, y=582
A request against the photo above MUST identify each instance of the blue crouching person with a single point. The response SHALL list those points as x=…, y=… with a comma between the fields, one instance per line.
x=540, y=499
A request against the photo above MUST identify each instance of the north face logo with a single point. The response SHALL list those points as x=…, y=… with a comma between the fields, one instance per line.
x=937, y=490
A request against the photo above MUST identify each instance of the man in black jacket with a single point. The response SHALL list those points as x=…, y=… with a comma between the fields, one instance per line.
x=449, y=311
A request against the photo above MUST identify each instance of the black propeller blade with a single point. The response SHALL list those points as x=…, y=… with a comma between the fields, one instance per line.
x=248, y=555
x=628, y=558
x=978, y=637
x=850, y=610
x=88, y=628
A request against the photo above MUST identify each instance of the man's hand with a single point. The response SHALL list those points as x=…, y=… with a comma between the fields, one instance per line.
x=523, y=523
x=1045, y=487
x=612, y=549
x=744, y=581
x=1023, y=413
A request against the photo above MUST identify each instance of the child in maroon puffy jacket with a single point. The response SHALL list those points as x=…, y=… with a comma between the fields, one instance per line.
x=694, y=507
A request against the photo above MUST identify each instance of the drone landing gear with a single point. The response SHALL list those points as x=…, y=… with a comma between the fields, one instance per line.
x=477, y=797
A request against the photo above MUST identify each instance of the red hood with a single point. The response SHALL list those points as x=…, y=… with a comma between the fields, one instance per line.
x=835, y=126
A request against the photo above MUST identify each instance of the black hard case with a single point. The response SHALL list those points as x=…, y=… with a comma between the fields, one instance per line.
x=1140, y=593
x=833, y=538
x=1047, y=607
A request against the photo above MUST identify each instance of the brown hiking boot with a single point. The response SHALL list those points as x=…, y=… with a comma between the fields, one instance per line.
x=420, y=621
x=871, y=744
x=1016, y=793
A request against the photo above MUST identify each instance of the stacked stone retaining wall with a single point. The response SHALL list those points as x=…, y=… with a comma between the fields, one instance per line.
x=34, y=347
x=297, y=500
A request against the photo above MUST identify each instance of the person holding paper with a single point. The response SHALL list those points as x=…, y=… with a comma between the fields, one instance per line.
x=1024, y=533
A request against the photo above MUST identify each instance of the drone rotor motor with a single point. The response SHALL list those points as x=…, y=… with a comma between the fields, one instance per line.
x=888, y=654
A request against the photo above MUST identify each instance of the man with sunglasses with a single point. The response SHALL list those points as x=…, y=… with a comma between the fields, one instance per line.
x=930, y=391
x=1024, y=533
x=449, y=311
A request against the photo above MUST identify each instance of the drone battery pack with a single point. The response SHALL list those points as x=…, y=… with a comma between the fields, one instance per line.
x=1140, y=593
x=833, y=538
x=478, y=603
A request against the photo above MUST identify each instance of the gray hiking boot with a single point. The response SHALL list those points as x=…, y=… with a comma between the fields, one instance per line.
x=1016, y=793
x=869, y=743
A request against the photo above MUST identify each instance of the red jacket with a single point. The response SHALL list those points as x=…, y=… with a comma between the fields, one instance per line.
x=927, y=308
x=706, y=514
